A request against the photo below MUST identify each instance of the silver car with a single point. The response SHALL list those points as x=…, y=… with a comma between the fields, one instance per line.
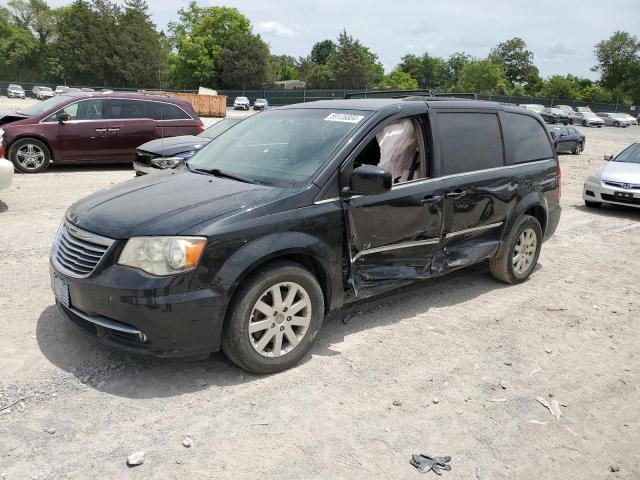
x=617, y=182
x=586, y=119
x=614, y=119
x=15, y=91
x=632, y=119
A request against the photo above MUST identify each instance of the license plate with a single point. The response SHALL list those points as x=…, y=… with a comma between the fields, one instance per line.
x=61, y=291
x=623, y=194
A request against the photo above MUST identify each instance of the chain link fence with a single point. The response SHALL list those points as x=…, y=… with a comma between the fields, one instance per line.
x=277, y=97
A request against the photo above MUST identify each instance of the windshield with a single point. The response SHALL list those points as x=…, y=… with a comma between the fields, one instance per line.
x=630, y=155
x=589, y=115
x=40, y=108
x=219, y=128
x=279, y=147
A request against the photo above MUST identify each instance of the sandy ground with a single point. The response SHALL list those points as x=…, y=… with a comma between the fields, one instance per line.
x=419, y=371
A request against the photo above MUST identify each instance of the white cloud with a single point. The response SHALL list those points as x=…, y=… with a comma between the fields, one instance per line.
x=277, y=28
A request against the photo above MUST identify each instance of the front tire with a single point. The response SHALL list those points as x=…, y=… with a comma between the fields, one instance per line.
x=273, y=319
x=584, y=123
x=30, y=155
x=616, y=124
x=518, y=255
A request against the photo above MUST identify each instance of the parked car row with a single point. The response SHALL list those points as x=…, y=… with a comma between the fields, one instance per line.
x=243, y=103
x=41, y=92
x=92, y=127
x=583, y=116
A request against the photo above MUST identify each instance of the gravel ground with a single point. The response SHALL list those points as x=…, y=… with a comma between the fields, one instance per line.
x=450, y=367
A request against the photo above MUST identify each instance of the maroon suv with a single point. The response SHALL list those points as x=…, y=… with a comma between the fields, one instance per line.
x=92, y=128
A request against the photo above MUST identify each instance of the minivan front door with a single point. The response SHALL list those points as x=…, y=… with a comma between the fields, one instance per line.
x=80, y=138
x=393, y=236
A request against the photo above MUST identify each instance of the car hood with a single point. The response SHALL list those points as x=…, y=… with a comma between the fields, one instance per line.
x=622, y=172
x=10, y=117
x=173, y=145
x=166, y=203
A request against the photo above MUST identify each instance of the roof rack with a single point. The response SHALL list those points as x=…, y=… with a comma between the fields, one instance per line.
x=394, y=93
x=412, y=94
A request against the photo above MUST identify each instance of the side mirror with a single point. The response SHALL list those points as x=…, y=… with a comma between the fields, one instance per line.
x=608, y=157
x=370, y=180
x=63, y=117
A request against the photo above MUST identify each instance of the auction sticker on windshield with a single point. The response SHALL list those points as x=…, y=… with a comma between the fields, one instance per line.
x=344, y=117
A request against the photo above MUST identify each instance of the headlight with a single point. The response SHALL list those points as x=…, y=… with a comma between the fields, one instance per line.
x=169, y=162
x=162, y=255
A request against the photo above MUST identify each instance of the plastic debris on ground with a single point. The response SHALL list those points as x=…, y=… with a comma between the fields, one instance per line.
x=428, y=463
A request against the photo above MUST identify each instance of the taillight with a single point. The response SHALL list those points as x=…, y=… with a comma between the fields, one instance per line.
x=559, y=194
x=1, y=151
x=201, y=128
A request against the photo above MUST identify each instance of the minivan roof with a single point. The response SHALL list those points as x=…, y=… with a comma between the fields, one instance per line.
x=375, y=104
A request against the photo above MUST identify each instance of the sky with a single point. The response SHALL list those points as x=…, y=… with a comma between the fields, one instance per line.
x=560, y=34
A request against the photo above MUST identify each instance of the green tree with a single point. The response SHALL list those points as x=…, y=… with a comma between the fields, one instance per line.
x=315, y=75
x=200, y=36
x=321, y=51
x=483, y=76
x=18, y=47
x=78, y=53
x=353, y=65
x=398, y=80
x=455, y=64
x=282, y=67
x=561, y=87
x=428, y=71
x=140, y=53
x=35, y=15
x=619, y=64
x=245, y=62
x=516, y=62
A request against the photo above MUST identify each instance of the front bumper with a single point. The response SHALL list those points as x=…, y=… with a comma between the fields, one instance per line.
x=129, y=310
x=6, y=172
x=603, y=193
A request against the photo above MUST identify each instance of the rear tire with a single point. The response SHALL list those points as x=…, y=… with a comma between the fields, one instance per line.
x=616, y=124
x=577, y=150
x=29, y=155
x=263, y=334
x=589, y=204
x=518, y=255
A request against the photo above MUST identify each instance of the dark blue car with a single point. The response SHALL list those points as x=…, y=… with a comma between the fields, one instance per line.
x=568, y=139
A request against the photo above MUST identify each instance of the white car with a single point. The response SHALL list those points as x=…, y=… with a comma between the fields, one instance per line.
x=631, y=118
x=241, y=103
x=617, y=182
x=15, y=91
x=6, y=173
x=6, y=167
x=614, y=119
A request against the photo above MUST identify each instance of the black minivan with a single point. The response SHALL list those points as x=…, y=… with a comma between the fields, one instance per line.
x=298, y=211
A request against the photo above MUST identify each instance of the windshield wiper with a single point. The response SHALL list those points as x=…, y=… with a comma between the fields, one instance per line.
x=216, y=172
x=18, y=112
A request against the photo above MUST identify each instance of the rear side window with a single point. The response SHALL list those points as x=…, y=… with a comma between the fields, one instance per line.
x=469, y=142
x=166, y=111
x=128, y=109
x=528, y=139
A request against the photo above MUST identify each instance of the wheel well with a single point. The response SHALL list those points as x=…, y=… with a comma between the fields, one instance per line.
x=539, y=213
x=306, y=261
x=26, y=137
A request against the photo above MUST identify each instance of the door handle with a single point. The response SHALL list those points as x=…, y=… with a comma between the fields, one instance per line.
x=114, y=129
x=428, y=199
x=101, y=129
x=456, y=194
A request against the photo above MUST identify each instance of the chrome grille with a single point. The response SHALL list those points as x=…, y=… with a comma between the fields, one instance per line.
x=625, y=186
x=77, y=252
